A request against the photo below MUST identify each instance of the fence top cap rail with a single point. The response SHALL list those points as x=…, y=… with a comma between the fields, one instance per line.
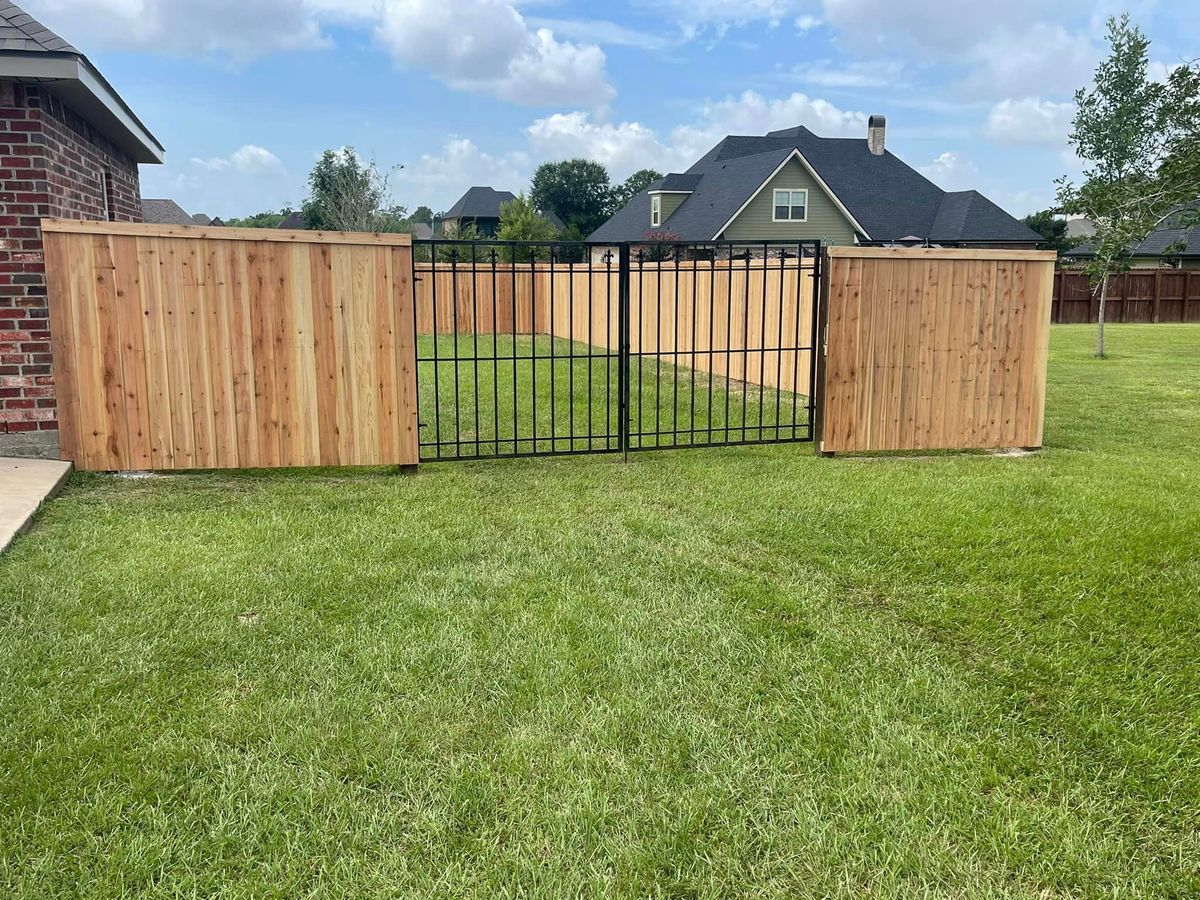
x=222, y=233
x=941, y=253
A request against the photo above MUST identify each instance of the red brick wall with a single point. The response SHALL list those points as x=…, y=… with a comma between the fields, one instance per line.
x=51, y=164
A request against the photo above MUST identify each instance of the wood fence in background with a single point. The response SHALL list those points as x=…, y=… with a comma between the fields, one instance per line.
x=772, y=303
x=190, y=348
x=930, y=349
x=1139, y=295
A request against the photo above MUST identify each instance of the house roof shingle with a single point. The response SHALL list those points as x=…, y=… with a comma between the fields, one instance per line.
x=31, y=51
x=21, y=31
x=479, y=203
x=165, y=212
x=1179, y=234
x=889, y=199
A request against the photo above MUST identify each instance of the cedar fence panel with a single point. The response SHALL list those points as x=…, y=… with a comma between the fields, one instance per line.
x=188, y=348
x=1138, y=295
x=934, y=349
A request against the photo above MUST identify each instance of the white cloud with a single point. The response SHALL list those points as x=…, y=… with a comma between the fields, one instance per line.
x=439, y=179
x=627, y=146
x=857, y=74
x=806, y=23
x=1040, y=58
x=951, y=172
x=622, y=148
x=602, y=31
x=485, y=46
x=240, y=29
x=247, y=160
x=1030, y=120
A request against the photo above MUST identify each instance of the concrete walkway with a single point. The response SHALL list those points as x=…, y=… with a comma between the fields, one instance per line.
x=25, y=484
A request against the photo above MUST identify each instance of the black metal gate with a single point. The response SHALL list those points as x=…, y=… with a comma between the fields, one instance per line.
x=552, y=348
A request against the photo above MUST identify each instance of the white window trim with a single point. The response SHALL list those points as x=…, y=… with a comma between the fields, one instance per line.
x=775, y=204
x=655, y=211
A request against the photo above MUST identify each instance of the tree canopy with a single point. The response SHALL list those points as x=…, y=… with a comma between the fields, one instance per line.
x=631, y=187
x=1140, y=142
x=1052, y=228
x=576, y=190
x=261, y=220
x=349, y=194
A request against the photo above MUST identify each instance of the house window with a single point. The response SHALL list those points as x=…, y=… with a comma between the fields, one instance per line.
x=791, y=206
x=655, y=210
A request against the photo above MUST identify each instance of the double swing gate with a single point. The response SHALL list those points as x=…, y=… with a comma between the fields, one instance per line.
x=555, y=348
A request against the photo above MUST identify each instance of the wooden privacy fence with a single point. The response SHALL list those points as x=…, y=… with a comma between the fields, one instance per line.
x=930, y=348
x=1139, y=295
x=767, y=300
x=184, y=348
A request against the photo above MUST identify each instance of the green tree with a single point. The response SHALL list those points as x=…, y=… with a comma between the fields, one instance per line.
x=576, y=190
x=632, y=186
x=261, y=220
x=1140, y=143
x=422, y=214
x=348, y=194
x=1052, y=228
x=521, y=221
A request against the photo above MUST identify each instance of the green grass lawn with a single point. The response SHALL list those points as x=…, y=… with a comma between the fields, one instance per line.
x=567, y=399
x=712, y=673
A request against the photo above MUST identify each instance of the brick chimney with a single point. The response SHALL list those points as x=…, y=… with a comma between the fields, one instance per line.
x=876, y=132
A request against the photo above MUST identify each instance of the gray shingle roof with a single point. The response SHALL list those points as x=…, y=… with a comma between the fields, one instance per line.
x=888, y=198
x=1175, y=230
x=293, y=221
x=21, y=31
x=676, y=182
x=164, y=212
x=479, y=203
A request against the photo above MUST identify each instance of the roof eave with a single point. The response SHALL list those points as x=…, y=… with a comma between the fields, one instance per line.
x=80, y=84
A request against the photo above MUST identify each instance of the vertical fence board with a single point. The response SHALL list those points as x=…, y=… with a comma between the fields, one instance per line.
x=179, y=348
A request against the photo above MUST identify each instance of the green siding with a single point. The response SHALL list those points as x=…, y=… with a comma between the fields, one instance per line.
x=670, y=203
x=825, y=220
x=1156, y=262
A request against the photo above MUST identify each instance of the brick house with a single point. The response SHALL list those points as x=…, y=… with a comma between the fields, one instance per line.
x=69, y=148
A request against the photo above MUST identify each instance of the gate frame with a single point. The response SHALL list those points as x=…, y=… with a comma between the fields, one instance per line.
x=807, y=249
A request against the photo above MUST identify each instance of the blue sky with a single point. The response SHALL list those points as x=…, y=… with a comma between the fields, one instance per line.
x=245, y=94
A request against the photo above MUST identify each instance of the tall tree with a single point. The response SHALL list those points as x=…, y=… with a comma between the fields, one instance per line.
x=349, y=194
x=1052, y=228
x=521, y=221
x=576, y=190
x=632, y=186
x=1140, y=143
x=422, y=214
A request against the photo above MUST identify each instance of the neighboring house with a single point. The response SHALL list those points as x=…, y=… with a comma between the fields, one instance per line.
x=293, y=221
x=1174, y=244
x=793, y=185
x=71, y=148
x=422, y=231
x=168, y=212
x=479, y=207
